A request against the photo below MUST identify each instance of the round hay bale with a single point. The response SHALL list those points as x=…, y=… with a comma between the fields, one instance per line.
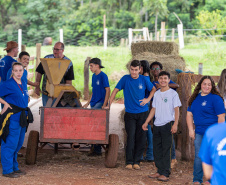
x=169, y=62
x=156, y=47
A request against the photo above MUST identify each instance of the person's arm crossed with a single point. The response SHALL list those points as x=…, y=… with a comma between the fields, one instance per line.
x=107, y=95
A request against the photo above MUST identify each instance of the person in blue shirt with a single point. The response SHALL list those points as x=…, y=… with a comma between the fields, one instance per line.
x=15, y=92
x=213, y=155
x=7, y=61
x=145, y=71
x=136, y=111
x=100, y=93
x=155, y=68
x=24, y=58
x=205, y=107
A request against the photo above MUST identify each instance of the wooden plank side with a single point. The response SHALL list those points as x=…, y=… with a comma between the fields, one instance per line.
x=82, y=124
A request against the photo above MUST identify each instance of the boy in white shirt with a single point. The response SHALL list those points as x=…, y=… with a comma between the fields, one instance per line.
x=165, y=108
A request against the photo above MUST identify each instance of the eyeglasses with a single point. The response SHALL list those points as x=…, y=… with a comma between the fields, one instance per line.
x=155, y=69
x=56, y=49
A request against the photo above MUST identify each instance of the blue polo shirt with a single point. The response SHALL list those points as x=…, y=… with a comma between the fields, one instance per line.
x=213, y=152
x=15, y=95
x=99, y=83
x=24, y=77
x=205, y=110
x=134, y=91
x=5, y=64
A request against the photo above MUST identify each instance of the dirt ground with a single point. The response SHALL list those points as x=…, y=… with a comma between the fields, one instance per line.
x=70, y=167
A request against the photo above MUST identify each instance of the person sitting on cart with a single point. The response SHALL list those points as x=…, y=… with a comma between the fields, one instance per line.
x=100, y=93
x=14, y=120
x=136, y=112
x=58, y=52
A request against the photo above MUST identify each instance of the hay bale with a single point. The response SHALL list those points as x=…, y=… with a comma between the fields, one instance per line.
x=169, y=62
x=156, y=47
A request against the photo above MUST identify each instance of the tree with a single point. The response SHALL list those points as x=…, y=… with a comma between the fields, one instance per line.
x=157, y=8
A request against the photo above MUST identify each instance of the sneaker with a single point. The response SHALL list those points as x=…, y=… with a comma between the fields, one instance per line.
x=173, y=163
x=136, y=167
x=19, y=172
x=11, y=175
x=129, y=166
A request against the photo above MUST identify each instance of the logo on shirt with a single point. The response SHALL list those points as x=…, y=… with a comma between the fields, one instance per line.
x=204, y=103
x=220, y=147
x=98, y=82
x=140, y=86
x=2, y=63
x=165, y=100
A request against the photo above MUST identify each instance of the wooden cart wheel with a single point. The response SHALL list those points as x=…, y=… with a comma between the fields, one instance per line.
x=111, y=153
x=32, y=147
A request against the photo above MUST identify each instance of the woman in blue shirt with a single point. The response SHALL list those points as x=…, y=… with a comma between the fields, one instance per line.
x=205, y=108
x=16, y=97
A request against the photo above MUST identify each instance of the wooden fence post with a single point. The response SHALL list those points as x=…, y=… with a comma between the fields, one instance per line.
x=23, y=48
x=86, y=78
x=38, y=55
x=173, y=32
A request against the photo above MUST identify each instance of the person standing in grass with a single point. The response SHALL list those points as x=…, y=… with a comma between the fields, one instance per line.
x=165, y=108
x=100, y=93
x=136, y=111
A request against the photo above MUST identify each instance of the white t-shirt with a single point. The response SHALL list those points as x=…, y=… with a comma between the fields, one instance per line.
x=164, y=104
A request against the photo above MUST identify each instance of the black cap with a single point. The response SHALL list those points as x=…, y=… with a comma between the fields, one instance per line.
x=96, y=61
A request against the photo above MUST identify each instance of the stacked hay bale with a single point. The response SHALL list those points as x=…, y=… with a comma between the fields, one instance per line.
x=167, y=53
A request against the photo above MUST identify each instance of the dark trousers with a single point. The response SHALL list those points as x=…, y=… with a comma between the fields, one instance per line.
x=136, y=136
x=162, y=143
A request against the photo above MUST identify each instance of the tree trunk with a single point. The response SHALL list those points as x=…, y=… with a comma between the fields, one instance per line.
x=156, y=24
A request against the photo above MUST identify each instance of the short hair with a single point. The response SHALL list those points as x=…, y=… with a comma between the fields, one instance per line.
x=62, y=45
x=16, y=64
x=135, y=63
x=8, y=51
x=145, y=65
x=23, y=53
x=156, y=63
x=162, y=73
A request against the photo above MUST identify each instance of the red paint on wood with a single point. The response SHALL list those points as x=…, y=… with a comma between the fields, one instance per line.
x=80, y=124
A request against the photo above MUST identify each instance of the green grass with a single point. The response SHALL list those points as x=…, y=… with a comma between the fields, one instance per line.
x=212, y=55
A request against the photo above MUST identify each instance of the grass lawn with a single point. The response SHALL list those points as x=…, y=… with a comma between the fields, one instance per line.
x=114, y=59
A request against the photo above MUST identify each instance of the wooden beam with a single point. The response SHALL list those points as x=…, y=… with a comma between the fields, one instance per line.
x=86, y=78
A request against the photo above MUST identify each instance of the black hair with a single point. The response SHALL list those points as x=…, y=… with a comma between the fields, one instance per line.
x=17, y=64
x=156, y=63
x=145, y=65
x=162, y=73
x=23, y=53
x=135, y=63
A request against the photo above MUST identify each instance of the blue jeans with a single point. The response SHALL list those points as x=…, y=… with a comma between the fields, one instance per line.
x=97, y=148
x=11, y=147
x=173, y=152
x=198, y=172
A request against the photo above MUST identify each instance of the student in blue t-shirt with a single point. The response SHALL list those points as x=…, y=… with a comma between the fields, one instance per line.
x=213, y=154
x=100, y=93
x=15, y=92
x=24, y=58
x=7, y=61
x=155, y=68
x=204, y=108
x=136, y=111
x=145, y=71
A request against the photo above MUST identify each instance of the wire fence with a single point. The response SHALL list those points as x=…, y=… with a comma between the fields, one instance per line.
x=114, y=37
